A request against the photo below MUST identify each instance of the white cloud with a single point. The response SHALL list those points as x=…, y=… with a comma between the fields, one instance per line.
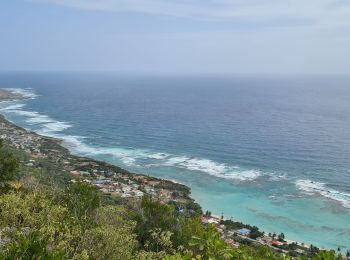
x=323, y=12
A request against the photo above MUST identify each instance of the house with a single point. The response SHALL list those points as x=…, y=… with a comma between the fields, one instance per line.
x=277, y=243
x=76, y=173
x=138, y=193
x=87, y=164
x=84, y=173
x=102, y=181
x=149, y=190
x=126, y=189
x=231, y=243
x=244, y=231
x=265, y=239
x=213, y=220
x=299, y=251
x=231, y=233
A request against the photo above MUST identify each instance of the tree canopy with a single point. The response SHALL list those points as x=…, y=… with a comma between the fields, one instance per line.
x=9, y=165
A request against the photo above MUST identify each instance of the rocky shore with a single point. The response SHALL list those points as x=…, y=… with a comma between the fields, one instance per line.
x=7, y=95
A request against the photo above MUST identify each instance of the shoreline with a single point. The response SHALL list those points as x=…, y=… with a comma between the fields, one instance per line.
x=8, y=95
x=51, y=149
x=175, y=186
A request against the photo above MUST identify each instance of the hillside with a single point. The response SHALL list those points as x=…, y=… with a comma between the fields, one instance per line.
x=55, y=205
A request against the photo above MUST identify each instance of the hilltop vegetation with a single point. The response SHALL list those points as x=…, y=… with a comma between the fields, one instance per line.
x=43, y=221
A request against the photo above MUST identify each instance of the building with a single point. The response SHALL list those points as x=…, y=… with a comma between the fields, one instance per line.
x=277, y=243
x=244, y=231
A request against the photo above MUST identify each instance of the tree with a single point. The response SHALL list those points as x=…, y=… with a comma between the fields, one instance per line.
x=160, y=241
x=210, y=245
x=34, y=227
x=106, y=242
x=188, y=227
x=327, y=255
x=9, y=165
x=256, y=253
x=313, y=250
x=154, y=215
x=31, y=246
x=114, y=236
x=81, y=199
x=255, y=233
x=207, y=213
x=293, y=246
x=281, y=237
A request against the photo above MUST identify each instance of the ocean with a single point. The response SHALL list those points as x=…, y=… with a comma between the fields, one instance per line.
x=269, y=151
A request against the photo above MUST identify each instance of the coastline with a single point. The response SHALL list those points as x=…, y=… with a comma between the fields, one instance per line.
x=162, y=184
x=49, y=150
x=66, y=155
x=11, y=95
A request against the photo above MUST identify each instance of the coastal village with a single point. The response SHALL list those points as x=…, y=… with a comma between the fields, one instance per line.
x=120, y=184
x=40, y=152
x=109, y=179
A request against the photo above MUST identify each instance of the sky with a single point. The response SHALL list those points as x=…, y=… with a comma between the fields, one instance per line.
x=176, y=36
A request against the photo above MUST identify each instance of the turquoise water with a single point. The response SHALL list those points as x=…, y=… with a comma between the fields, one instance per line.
x=273, y=152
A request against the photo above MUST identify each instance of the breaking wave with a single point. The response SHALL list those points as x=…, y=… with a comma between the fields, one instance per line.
x=12, y=107
x=213, y=168
x=317, y=188
x=44, y=124
x=132, y=157
x=47, y=125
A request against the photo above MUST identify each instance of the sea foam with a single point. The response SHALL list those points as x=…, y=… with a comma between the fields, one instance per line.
x=47, y=124
x=317, y=188
x=220, y=170
x=12, y=106
x=137, y=158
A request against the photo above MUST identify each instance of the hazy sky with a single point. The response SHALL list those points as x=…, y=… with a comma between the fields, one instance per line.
x=176, y=36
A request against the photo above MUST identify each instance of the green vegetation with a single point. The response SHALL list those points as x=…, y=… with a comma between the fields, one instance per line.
x=9, y=164
x=232, y=225
x=9, y=167
x=76, y=222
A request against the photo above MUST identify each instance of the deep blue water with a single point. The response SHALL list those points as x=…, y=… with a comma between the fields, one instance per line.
x=274, y=152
